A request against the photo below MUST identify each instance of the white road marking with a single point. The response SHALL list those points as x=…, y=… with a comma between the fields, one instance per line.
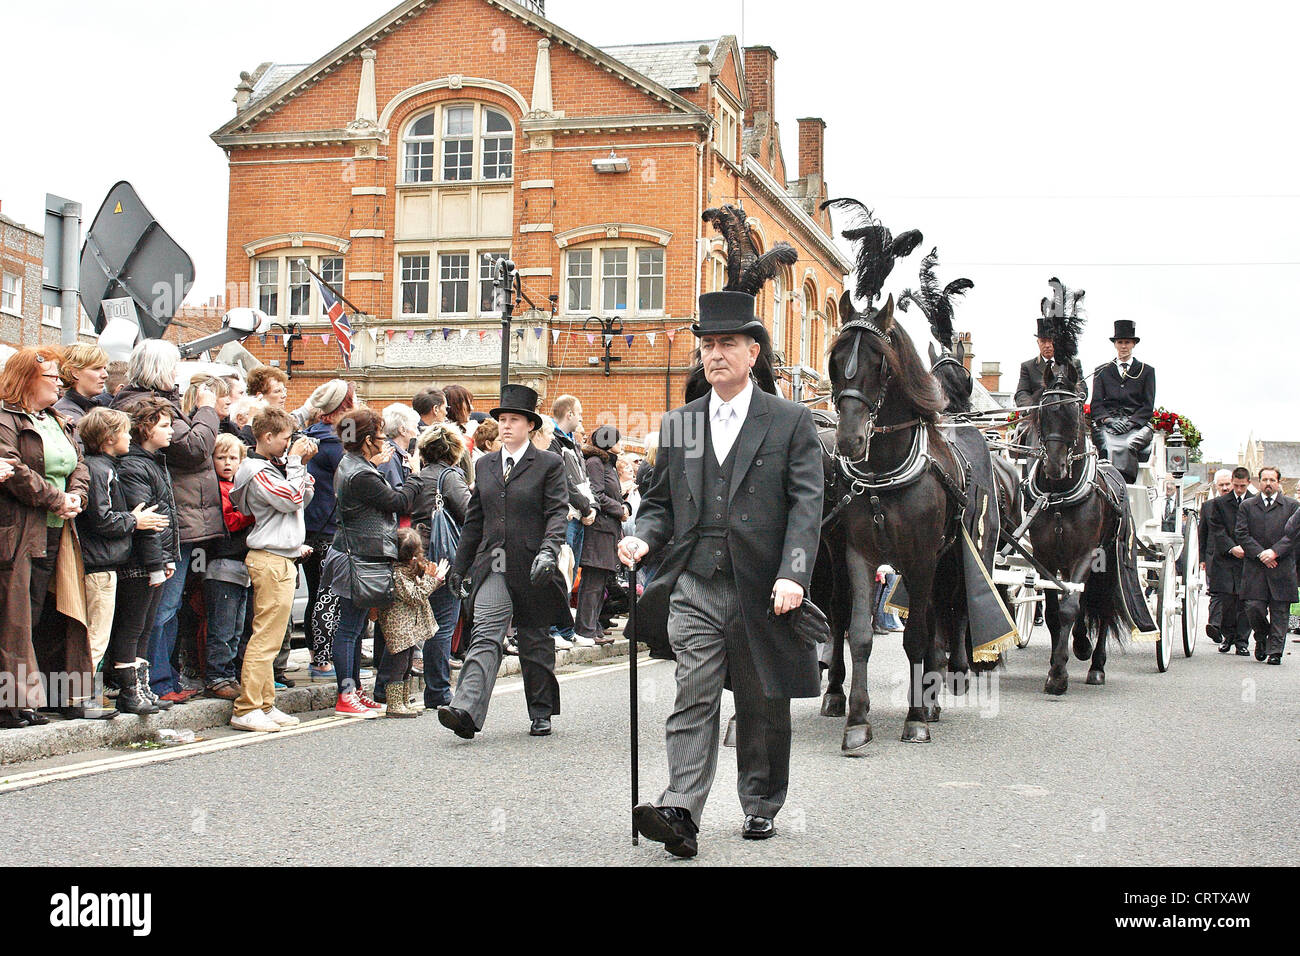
x=35, y=778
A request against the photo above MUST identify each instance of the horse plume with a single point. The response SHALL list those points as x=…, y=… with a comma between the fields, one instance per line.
x=878, y=248
x=747, y=271
x=1064, y=312
x=935, y=302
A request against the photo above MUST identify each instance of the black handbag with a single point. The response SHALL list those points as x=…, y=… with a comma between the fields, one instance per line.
x=369, y=579
x=444, y=535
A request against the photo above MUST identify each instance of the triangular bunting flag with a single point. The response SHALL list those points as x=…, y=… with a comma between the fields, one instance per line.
x=555, y=335
x=390, y=333
x=538, y=331
x=446, y=334
x=671, y=333
x=428, y=334
x=263, y=338
x=463, y=333
x=410, y=335
x=651, y=337
x=591, y=338
x=324, y=338
x=519, y=332
x=629, y=338
x=481, y=333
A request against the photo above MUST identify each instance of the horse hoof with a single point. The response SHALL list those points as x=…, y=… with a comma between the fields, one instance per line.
x=1096, y=677
x=1082, y=647
x=730, y=739
x=1056, y=685
x=856, y=739
x=833, y=705
x=931, y=713
x=915, y=732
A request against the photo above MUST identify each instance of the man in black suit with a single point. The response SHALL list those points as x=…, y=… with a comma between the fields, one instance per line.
x=1123, y=401
x=506, y=565
x=1030, y=387
x=734, y=510
x=1228, y=623
x=1266, y=529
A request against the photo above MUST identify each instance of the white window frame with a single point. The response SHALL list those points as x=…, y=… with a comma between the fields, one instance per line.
x=650, y=277
x=486, y=259
x=778, y=312
x=403, y=269
x=260, y=284
x=807, y=314
x=11, y=289
x=596, y=280
x=586, y=280
x=433, y=281
x=466, y=279
x=428, y=157
x=431, y=168
x=726, y=139
x=51, y=316
x=284, y=260
x=290, y=286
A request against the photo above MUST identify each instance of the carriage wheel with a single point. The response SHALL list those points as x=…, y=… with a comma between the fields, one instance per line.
x=1193, y=585
x=1160, y=602
x=1027, y=603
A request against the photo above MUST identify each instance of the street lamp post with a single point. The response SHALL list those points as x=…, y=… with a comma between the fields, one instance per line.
x=505, y=285
x=1176, y=465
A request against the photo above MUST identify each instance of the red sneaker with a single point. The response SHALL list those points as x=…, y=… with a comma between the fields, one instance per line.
x=350, y=705
x=179, y=696
x=368, y=701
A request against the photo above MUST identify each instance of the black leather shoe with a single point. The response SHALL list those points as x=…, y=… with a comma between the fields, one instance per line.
x=86, y=712
x=1243, y=651
x=1225, y=647
x=12, y=719
x=541, y=727
x=758, y=828
x=1275, y=658
x=455, y=719
x=33, y=717
x=671, y=826
x=1259, y=651
x=1212, y=632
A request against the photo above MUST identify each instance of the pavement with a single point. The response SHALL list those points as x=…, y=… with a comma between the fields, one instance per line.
x=200, y=714
x=1192, y=767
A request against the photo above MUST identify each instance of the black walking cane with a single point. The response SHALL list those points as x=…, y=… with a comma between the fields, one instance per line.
x=631, y=691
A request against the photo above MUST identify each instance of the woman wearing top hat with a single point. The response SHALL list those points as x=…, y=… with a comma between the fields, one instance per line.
x=1123, y=401
x=506, y=567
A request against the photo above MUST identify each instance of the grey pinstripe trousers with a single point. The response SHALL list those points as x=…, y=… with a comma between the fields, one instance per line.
x=707, y=635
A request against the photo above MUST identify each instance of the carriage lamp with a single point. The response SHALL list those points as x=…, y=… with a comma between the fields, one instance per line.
x=1176, y=453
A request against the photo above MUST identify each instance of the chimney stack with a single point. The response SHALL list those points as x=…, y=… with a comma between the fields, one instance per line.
x=760, y=70
x=991, y=376
x=812, y=138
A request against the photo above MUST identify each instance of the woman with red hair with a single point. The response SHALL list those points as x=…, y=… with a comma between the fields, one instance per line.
x=43, y=598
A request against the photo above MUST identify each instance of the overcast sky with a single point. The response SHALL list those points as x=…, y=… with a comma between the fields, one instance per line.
x=1145, y=152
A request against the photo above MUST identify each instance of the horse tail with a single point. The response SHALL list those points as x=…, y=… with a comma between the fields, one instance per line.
x=1101, y=605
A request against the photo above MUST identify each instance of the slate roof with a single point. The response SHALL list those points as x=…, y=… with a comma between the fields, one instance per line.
x=272, y=77
x=669, y=64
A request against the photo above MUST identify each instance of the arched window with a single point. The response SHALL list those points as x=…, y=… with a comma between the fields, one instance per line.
x=809, y=313
x=470, y=137
x=778, y=312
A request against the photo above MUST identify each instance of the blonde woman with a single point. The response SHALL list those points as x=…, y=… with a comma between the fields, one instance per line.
x=83, y=372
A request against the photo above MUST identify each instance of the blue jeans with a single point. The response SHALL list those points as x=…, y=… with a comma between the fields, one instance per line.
x=347, y=645
x=224, y=603
x=885, y=620
x=162, y=640
x=574, y=532
x=437, y=649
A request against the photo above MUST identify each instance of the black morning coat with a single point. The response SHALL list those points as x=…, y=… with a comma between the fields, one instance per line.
x=1221, y=538
x=515, y=520
x=1259, y=529
x=775, y=509
x=1030, y=387
x=1133, y=396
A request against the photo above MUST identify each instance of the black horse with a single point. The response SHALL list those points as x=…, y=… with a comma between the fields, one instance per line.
x=898, y=473
x=1074, y=532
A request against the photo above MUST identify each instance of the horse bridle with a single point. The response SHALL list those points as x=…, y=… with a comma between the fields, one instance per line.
x=857, y=327
x=1063, y=396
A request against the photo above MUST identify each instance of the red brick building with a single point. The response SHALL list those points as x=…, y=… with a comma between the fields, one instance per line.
x=24, y=321
x=449, y=132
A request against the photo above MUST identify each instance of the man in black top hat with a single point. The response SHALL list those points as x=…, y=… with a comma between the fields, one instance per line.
x=1030, y=387
x=506, y=565
x=1123, y=401
x=734, y=508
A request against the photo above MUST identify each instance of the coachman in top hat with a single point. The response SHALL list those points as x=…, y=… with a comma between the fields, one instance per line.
x=1123, y=401
x=734, y=511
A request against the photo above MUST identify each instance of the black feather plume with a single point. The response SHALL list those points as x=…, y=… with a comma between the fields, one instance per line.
x=935, y=302
x=877, y=248
x=729, y=221
x=766, y=267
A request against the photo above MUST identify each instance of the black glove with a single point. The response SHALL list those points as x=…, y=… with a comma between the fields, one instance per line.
x=543, y=568
x=456, y=581
x=808, y=624
x=1117, y=426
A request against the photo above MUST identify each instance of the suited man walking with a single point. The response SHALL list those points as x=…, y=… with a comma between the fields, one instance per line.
x=1228, y=623
x=506, y=566
x=1266, y=529
x=737, y=493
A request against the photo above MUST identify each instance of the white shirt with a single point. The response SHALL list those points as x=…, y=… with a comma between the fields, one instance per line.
x=1124, y=366
x=507, y=457
x=726, y=418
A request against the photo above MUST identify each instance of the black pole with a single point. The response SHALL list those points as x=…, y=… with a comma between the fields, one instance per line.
x=334, y=291
x=507, y=283
x=668, y=376
x=631, y=690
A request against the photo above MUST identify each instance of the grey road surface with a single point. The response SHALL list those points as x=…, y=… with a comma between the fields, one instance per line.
x=1195, y=766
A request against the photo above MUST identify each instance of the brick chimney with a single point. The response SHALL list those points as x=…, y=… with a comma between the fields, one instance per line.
x=991, y=376
x=812, y=137
x=760, y=71
x=968, y=358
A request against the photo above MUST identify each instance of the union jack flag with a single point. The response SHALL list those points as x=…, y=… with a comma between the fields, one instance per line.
x=338, y=319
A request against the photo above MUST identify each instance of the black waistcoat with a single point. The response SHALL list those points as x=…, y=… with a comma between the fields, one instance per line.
x=711, y=553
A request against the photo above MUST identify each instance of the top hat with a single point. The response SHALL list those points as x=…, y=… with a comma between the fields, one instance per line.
x=521, y=400
x=729, y=313
x=1125, y=329
x=1045, y=328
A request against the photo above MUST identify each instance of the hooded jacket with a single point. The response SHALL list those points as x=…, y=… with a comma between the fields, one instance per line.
x=320, y=514
x=106, y=525
x=276, y=499
x=145, y=480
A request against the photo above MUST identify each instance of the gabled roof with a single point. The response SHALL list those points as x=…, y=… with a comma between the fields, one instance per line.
x=670, y=64
x=275, y=96
x=273, y=77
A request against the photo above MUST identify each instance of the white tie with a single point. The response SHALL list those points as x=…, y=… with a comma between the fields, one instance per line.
x=723, y=431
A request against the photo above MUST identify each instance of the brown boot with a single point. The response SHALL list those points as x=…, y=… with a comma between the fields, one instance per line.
x=415, y=692
x=397, y=702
